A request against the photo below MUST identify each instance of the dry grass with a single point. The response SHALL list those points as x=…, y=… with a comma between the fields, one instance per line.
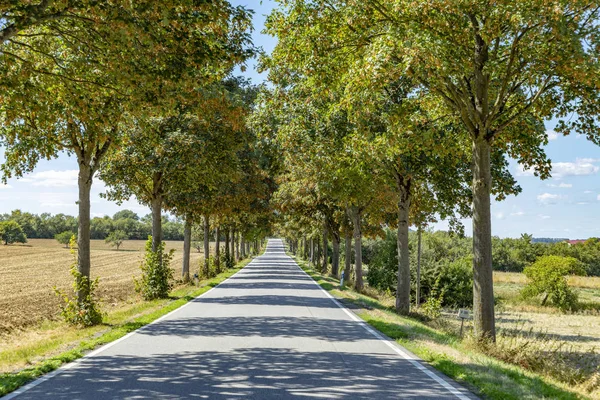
x=29, y=272
x=586, y=282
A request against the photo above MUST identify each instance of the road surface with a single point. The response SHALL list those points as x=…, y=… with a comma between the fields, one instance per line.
x=268, y=332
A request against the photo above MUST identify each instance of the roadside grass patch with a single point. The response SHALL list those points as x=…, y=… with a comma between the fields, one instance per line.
x=73, y=343
x=461, y=360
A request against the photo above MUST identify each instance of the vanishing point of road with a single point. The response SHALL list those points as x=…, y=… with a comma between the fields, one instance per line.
x=268, y=332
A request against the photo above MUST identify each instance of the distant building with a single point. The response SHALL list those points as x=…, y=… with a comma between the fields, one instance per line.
x=572, y=242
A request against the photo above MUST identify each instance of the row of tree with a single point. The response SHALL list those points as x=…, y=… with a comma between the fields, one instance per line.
x=141, y=94
x=47, y=226
x=405, y=112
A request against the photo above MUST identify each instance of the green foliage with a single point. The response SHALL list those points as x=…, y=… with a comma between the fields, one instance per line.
x=446, y=267
x=433, y=305
x=116, y=238
x=155, y=282
x=11, y=232
x=64, y=238
x=85, y=312
x=547, y=277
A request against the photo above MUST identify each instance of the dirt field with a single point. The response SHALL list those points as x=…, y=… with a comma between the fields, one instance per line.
x=28, y=273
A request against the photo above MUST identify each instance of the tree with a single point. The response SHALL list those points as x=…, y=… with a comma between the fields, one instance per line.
x=64, y=238
x=547, y=277
x=116, y=238
x=125, y=214
x=11, y=232
x=499, y=69
x=74, y=91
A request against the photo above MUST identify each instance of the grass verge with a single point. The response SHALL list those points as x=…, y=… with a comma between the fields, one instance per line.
x=485, y=376
x=81, y=341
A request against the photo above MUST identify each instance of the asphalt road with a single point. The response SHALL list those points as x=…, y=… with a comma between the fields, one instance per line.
x=268, y=332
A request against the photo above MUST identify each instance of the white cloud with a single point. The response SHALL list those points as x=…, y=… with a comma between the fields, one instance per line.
x=3, y=186
x=581, y=167
x=552, y=135
x=598, y=197
x=58, y=200
x=522, y=171
x=544, y=216
x=549, y=198
x=561, y=185
x=517, y=214
x=588, y=191
x=499, y=215
x=53, y=178
x=581, y=203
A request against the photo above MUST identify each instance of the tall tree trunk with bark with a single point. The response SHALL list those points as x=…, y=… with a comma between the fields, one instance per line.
x=418, y=288
x=187, y=247
x=156, y=205
x=403, y=288
x=312, y=251
x=483, y=284
x=356, y=221
x=237, y=246
x=347, y=255
x=217, y=247
x=85, y=178
x=335, y=256
x=206, y=243
x=227, y=252
x=325, y=255
x=317, y=254
x=242, y=246
x=232, y=244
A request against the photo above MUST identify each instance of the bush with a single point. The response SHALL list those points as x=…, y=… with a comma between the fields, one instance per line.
x=155, y=282
x=81, y=313
x=446, y=270
x=64, y=238
x=11, y=232
x=547, y=278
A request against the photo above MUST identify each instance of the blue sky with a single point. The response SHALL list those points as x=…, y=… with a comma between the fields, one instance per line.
x=565, y=206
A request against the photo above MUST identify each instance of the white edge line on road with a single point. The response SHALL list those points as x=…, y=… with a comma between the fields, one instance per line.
x=413, y=360
x=107, y=346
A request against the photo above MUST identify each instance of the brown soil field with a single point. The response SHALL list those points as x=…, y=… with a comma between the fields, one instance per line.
x=29, y=272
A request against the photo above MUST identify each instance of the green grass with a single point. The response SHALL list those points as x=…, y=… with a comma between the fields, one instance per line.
x=116, y=325
x=486, y=376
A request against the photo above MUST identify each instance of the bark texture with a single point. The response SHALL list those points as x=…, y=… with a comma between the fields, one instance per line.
x=217, y=247
x=356, y=220
x=483, y=286
x=335, y=256
x=403, y=288
x=83, y=231
x=325, y=255
x=418, y=288
x=206, y=243
x=348, y=255
x=187, y=247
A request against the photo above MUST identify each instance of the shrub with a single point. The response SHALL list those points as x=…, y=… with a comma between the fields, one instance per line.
x=547, y=278
x=64, y=238
x=155, y=282
x=454, y=280
x=75, y=312
x=11, y=232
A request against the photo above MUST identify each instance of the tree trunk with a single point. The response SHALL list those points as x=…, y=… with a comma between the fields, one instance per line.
x=206, y=243
x=187, y=247
x=403, y=288
x=335, y=257
x=348, y=256
x=312, y=251
x=358, y=280
x=217, y=247
x=483, y=284
x=83, y=230
x=156, y=222
x=418, y=289
x=237, y=246
x=227, y=252
x=324, y=264
x=232, y=244
x=317, y=254
x=242, y=246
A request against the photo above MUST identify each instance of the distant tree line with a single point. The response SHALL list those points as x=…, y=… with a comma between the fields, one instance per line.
x=445, y=264
x=47, y=226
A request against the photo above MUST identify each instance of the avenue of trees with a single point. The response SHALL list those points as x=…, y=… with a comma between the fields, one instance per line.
x=142, y=95
x=378, y=114
x=405, y=112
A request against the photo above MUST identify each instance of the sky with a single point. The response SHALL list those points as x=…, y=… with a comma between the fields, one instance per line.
x=565, y=206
